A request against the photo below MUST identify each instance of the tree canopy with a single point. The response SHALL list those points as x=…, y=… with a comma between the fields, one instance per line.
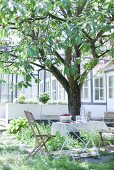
x=38, y=30
x=55, y=35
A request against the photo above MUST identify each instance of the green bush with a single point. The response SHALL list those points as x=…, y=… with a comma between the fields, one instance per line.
x=95, y=136
x=44, y=98
x=56, y=142
x=25, y=136
x=21, y=99
x=17, y=124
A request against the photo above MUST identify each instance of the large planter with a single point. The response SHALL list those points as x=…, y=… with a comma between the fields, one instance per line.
x=41, y=112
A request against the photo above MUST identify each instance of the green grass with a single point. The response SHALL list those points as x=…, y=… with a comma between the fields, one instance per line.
x=12, y=157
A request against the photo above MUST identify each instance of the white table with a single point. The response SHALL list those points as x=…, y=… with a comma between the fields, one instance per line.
x=92, y=127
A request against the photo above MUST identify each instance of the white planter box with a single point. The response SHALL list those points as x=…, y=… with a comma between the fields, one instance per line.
x=44, y=111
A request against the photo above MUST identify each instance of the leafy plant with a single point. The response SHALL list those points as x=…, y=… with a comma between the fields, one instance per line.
x=25, y=136
x=21, y=99
x=44, y=98
x=17, y=124
x=95, y=136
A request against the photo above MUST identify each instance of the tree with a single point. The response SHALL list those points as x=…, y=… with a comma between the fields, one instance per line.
x=44, y=28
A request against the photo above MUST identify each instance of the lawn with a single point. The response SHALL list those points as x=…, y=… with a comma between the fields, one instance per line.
x=13, y=154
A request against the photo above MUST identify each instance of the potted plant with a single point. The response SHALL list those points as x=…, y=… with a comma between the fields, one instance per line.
x=44, y=97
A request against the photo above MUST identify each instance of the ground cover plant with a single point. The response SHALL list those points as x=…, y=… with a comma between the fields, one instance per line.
x=12, y=157
x=13, y=151
x=22, y=131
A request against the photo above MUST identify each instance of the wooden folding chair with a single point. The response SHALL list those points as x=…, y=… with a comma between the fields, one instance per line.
x=41, y=139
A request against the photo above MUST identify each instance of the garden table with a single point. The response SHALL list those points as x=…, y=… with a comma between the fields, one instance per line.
x=91, y=127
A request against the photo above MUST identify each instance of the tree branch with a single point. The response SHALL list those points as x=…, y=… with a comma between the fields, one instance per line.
x=59, y=56
x=87, y=36
x=99, y=35
x=79, y=9
x=60, y=77
x=38, y=65
x=56, y=17
x=56, y=72
x=104, y=53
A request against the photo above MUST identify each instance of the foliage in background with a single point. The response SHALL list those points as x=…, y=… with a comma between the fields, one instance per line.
x=25, y=135
x=44, y=97
x=23, y=100
x=17, y=124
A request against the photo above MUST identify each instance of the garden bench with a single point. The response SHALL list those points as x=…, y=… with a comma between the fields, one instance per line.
x=109, y=117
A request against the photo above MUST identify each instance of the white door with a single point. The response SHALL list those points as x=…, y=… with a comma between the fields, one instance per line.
x=110, y=92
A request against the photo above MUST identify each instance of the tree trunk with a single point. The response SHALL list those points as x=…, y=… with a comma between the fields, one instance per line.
x=74, y=104
x=74, y=100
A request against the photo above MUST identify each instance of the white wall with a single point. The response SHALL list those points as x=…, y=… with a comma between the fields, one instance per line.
x=97, y=111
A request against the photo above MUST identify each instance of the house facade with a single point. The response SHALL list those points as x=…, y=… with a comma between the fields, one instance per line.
x=97, y=92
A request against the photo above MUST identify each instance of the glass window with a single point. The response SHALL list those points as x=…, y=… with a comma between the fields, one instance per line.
x=41, y=75
x=99, y=93
x=5, y=91
x=47, y=86
x=61, y=93
x=47, y=74
x=31, y=92
x=54, y=89
x=85, y=93
x=111, y=87
x=41, y=87
x=47, y=82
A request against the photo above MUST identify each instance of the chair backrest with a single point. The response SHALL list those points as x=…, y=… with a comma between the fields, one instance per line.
x=33, y=124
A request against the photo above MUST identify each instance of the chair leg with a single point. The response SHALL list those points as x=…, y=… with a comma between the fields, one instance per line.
x=101, y=137
x=39, y=146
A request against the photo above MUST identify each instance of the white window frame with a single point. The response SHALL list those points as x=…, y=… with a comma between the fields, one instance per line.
x=89, y=90
x=48, y=81
x=41, y=84
x=104, y=89
x=110, y=75
x=53, y=78
x=61, y=90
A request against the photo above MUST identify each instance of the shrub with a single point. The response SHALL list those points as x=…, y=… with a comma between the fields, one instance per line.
x=95, y=136
x=21, y=99
x=56, y=142
x=17, y=124
x=44, y=98
x=25, y=136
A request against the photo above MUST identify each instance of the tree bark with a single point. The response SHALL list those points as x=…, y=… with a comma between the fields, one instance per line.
x=74, y=100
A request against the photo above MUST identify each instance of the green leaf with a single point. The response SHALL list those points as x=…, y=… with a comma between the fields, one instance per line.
x=32, y=52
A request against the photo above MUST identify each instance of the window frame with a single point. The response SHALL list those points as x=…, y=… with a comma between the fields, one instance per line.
x=89, y=91
x=99, y=88
x=111, y=75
